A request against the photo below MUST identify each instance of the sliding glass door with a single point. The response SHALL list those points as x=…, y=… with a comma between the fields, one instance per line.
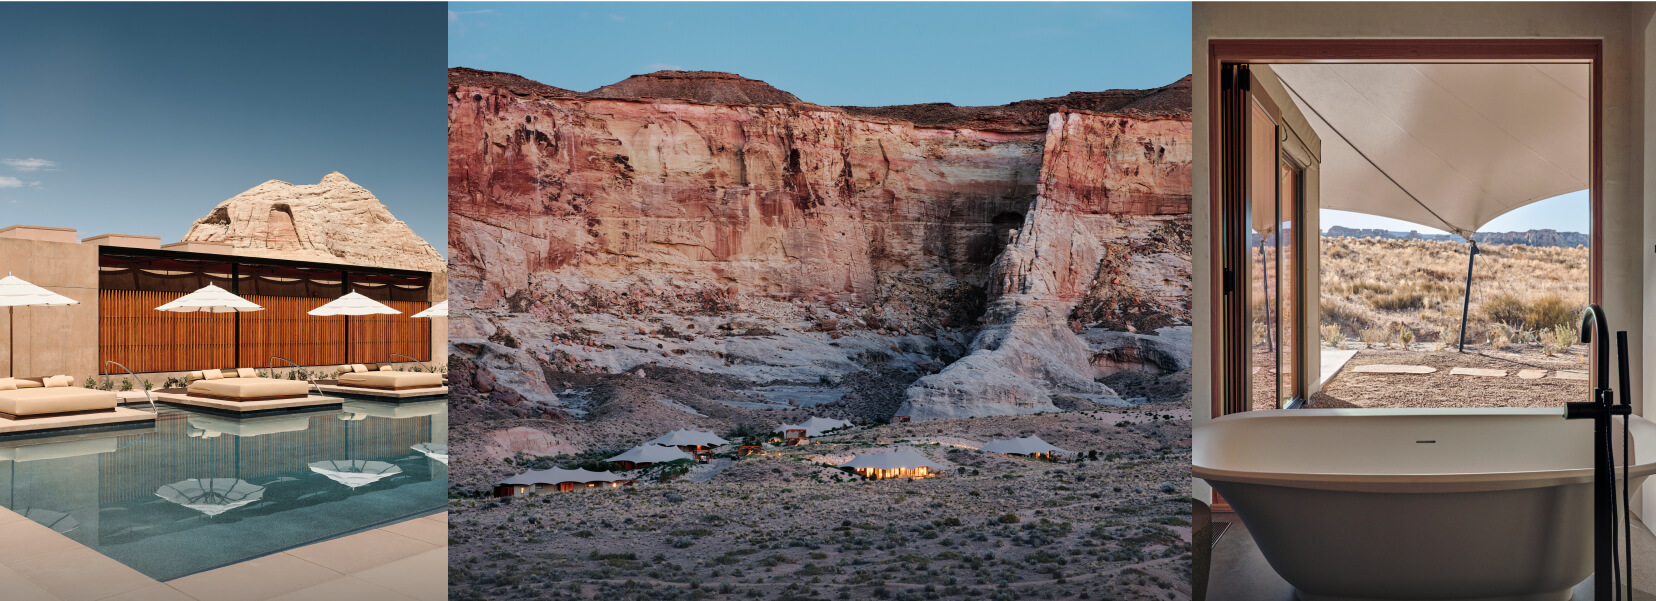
x=1260, y=314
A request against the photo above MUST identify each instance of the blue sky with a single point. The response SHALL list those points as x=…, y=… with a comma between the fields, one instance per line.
x=837, y=53
x=1568, y=213
x=139, y=118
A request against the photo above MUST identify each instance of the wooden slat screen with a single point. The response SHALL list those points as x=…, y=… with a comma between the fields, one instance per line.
x=133, y=333
x=375, y=337
x=285, y=330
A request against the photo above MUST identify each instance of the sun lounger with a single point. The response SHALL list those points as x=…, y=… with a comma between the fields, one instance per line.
x=51, y=397
x=243, y=385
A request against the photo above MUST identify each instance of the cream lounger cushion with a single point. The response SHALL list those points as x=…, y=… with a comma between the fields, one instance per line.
x=359, y=368
x=62, y=399
x=59, y=382
x=246, y=372
x=250, y=388
x=392, y=379
x=17, y=383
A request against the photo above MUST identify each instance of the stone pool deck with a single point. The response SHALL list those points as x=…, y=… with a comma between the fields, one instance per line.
x=406, y=561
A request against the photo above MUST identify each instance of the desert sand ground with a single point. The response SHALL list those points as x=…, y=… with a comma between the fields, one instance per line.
x=1443, y=389
x=788, y=525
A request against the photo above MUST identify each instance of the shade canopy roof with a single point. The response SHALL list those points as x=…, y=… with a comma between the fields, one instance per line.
x=437, y=310
x=1028, y=445
x=815, y=426
x=353, y=304
x=899, y=459
x=681, y=438
x=558, y=475
x=14, y=292
x=650, y=453
x=1468, y=142
x=211, y=299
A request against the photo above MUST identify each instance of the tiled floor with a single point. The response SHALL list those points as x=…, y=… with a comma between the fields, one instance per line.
x=406, y=561
x=1240, y=573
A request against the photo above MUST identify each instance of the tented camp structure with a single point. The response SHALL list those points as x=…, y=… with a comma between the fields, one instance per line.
x=648, y=454
x=556, y=479
x=694, y=442
x=899, y=463
x=1031, y=446
x=816, y=426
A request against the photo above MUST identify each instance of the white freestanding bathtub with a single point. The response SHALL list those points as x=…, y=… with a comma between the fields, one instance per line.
x=1395, y=504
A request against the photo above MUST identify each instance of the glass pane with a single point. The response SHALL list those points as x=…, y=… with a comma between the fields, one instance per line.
x=1286, y=252
x=1263, y=288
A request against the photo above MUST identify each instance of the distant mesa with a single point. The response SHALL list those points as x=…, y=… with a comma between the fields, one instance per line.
x=333, y=221
x=1552, y=238
x=715, y=87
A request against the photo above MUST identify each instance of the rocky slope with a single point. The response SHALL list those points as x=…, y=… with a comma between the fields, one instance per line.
x=819, y=257
x=333, y=221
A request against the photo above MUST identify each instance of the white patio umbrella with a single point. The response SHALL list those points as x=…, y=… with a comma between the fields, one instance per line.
x=355, y=473
x=14, y=293
x=212, y=496
x=211, y=299
x=352, y=304
x=437, y=310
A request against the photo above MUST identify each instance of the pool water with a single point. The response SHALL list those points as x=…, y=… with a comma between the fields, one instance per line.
x=199, y=491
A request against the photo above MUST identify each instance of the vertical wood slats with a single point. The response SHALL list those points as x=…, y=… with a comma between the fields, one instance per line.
x=133, y=333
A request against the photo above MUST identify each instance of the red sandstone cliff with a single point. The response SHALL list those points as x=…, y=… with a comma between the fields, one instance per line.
x=712, y=222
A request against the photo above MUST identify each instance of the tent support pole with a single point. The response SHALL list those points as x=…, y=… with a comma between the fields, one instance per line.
x=1466, y=303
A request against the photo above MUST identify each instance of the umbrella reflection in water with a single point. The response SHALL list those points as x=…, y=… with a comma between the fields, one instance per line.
x=434, y=450
x=212, y=496
x=355, y=473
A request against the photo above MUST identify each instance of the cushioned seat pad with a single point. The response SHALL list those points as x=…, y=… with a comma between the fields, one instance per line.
x=28, y=402
x=249, y=389
x=392, y=380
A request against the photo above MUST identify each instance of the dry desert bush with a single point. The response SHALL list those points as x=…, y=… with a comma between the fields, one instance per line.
x=1399, y=291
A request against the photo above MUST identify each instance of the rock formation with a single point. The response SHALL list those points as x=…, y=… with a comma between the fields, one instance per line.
x=711, y=222
x=334, y=221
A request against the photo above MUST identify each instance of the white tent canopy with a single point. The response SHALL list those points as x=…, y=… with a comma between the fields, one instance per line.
x=211, y=299
x=1028, y=445
x=353, y=304
x=558, y=475
x=650, y=453
x=1468, y=142
x=899, y=459
x=437, y=310
x=815, y=426
x=684, y=438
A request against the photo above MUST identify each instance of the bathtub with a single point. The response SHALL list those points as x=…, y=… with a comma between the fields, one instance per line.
x=1394, y=504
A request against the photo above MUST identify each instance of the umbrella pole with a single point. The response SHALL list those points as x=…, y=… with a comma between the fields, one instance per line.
x=11, y=344
x=1466, y=303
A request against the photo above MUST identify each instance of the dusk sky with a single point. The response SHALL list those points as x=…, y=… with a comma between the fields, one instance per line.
x=139, y=118
x=853, y=53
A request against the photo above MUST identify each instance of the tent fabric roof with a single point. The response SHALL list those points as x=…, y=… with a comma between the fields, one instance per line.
x=687, y=438
x=904, y=458
x=211, y=299
x=815, y=426
x=651, y=453
x=557, y=475
x=353, y=304
x=1022, y=446
x=1471, y=142
x=14, y=292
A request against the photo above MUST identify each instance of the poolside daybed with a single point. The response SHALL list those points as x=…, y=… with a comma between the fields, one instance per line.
x=243, y=385
x=359, y=376
x=24, y=398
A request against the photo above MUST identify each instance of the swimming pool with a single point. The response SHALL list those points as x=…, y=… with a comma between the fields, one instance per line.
x=199, y=491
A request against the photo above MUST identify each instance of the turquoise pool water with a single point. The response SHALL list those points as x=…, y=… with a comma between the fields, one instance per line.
x=198, y=491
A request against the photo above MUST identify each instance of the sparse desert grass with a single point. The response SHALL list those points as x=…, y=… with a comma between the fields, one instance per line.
x=1386, y=291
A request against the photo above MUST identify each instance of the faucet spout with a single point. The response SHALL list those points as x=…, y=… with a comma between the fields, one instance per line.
x=1594, y=330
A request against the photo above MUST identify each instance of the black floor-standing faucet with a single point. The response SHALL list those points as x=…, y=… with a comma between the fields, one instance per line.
x=1606, y=570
